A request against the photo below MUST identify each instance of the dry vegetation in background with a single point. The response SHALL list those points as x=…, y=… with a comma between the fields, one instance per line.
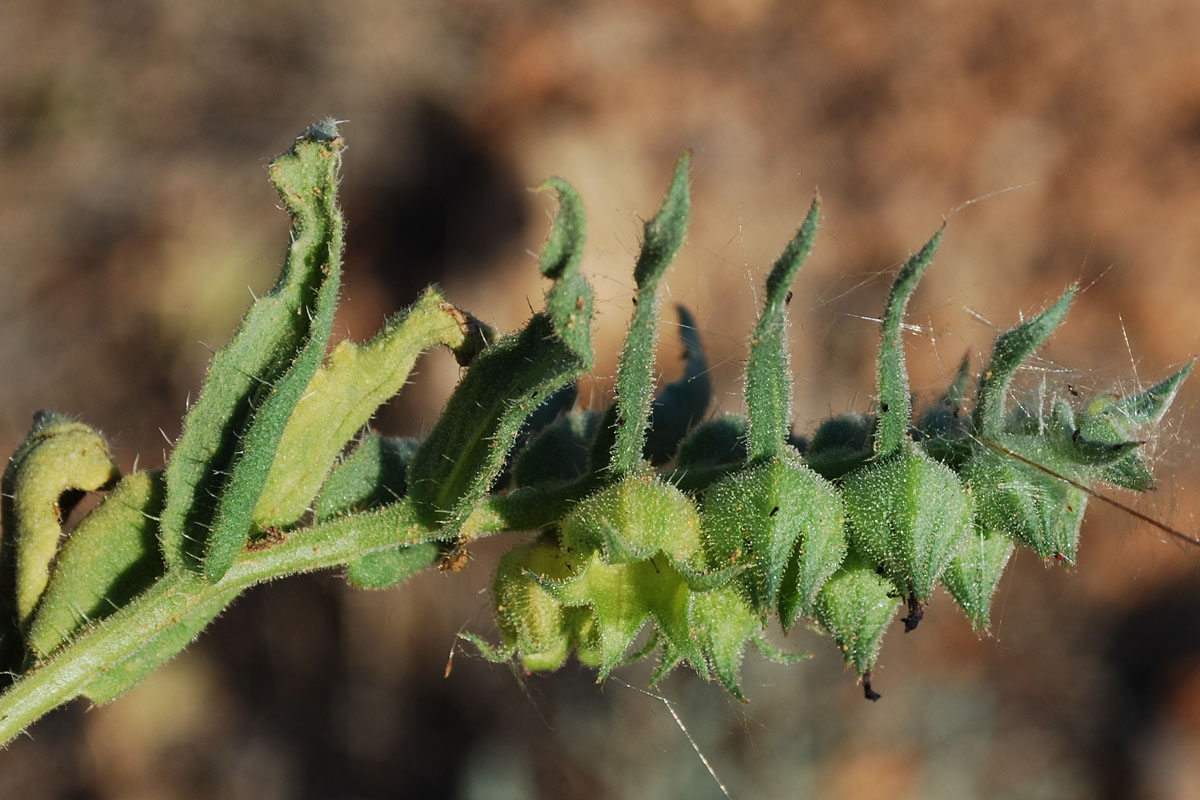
x=136, y=213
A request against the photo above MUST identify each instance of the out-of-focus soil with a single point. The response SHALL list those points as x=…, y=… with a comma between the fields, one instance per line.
x=1061, y=140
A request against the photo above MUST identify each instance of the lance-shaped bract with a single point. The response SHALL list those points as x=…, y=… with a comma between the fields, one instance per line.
x=231, y=433
x=467, y=448
x=1112, y=420
x=1011, y=497
x=776, y=511
x=895, y=404
x=59, y=455
x=768, y=374
x=1010, y=351
x=905, y=511
x=635, y=377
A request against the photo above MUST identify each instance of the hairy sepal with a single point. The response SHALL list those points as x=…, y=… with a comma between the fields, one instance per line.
x=1010, y=351
x=722, y=623
x=534, y=625
x=1112, y=420
x=785, y=523
x=975, y=571
x=1034, y=508
x=910, y=514
x=635, y=519
x=855, y=606
x=623, y=596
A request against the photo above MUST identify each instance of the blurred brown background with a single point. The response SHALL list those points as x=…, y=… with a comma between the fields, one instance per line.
x=136, y=218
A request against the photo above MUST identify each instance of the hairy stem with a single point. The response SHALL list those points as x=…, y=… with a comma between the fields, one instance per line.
x=332, y=544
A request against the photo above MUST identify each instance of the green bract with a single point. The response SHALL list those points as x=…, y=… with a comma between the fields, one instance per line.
x=659, y=527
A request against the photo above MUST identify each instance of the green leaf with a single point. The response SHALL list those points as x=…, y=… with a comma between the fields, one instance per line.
x=895, y=405
x=230, y=434
x=311, y=179
x=467, y=448
x=373, y=476
x=343, y=395
x=635, y=377
x=768, y=374
x=388, y=568
x=110, y=558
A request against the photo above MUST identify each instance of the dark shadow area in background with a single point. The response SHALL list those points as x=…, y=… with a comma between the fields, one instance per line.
x=435, y=203
x=1153, y=650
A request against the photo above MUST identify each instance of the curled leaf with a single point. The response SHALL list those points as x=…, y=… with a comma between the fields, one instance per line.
x=230, y=435
x=110, y=558
x=58, y=456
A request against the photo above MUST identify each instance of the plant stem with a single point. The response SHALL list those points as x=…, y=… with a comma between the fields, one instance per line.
x=103, y=646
